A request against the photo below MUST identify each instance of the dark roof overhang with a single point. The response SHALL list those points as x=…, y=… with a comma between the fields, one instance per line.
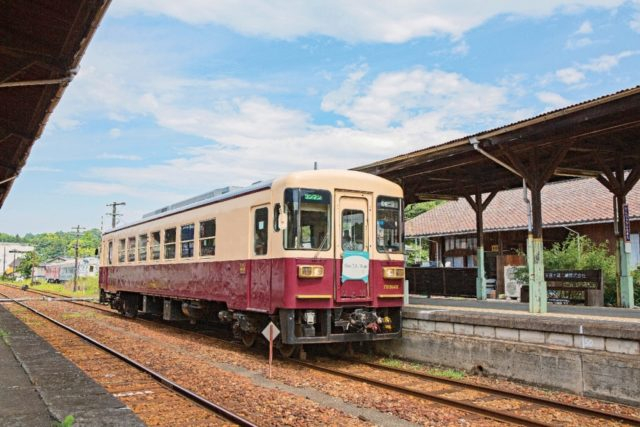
x=41, y=44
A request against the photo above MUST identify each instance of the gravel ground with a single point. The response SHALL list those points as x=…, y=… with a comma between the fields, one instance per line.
x=237, y=379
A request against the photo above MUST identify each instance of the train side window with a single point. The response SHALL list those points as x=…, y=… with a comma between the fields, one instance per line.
x=186, y=240
x=170, y=243
x=131, y=250
x=142, y=247
x=260, y=231
x=208, y=238
x=155, y=245
x=121, y=250
x=110, y=253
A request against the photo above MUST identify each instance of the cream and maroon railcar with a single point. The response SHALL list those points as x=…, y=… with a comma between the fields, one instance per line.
x=317, y=252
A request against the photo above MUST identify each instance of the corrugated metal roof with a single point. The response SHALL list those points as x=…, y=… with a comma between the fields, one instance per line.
x=509, y=127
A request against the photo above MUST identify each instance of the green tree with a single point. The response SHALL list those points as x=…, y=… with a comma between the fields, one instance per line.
x=8, y=238
x=27, y=263
x=413, y=210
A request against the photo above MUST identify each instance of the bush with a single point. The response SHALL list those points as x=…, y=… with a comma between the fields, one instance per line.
x=581, y=253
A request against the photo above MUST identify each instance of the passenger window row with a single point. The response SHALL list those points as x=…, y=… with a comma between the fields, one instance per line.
x=149, y=246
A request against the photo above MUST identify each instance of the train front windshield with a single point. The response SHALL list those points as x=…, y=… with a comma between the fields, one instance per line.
x=309, y=219
x=389, y=224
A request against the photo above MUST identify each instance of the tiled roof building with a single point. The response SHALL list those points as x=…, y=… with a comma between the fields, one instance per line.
x=576, y=202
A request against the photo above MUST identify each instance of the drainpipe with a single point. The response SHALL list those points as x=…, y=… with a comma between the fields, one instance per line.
x=476, y=146
x=530, y=258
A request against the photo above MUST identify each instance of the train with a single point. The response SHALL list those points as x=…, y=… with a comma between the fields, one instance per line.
x=318, y=253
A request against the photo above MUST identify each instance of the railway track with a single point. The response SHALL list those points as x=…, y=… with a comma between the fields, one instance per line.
x=158, y=379
x=416, y=380
x=532, y=403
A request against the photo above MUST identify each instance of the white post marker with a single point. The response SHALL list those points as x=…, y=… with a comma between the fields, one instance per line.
x=270, y=333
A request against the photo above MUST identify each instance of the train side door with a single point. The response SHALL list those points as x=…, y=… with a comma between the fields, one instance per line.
x=353, y=246
x=260, y=262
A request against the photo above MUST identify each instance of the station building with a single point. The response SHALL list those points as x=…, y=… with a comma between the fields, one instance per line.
x=579, y=207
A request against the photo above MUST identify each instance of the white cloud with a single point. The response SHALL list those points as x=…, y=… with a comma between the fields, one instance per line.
x=607, y=62
x=354, y=21
x=577, y=43
x=253, y=138
x=579, y=38
x=119, y=157
x=585, y=28
x=553, y=100
x=578, y=73
x=570, y=76
x=393, y=98
x=461, y=48
x=42, y=169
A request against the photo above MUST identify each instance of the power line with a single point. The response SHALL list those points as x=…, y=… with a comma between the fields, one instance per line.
x=114, y=214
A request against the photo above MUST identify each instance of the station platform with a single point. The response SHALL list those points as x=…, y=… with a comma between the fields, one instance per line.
x=604, y=327
x=40, y=387
x=592, y=351
x=554, y=310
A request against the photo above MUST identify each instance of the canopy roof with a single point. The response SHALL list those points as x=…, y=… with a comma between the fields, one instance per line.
x=583, y=140
x=41, y=44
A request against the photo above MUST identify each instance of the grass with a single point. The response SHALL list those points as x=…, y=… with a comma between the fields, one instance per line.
x=452, y=374
x=68, y=421
x=4, y=335
x=87, y=287
x=445, y=373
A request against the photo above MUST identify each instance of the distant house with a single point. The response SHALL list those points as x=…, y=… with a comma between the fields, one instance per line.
x=581, y=207
x=11, y=254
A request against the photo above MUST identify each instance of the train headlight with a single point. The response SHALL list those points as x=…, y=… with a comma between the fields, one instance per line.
x=310, y=271
x=393, y=272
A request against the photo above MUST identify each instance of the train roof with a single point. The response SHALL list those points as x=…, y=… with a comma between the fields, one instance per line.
x=227, y=193
x=210, y=197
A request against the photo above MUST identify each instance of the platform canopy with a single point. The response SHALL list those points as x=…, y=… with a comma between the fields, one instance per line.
x=598, y=138
x=41, y=44
x=593, y=138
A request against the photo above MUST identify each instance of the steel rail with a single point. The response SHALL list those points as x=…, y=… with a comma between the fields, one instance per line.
x=514, y=395
x=510, y=394
x=467, y=407
x=194, y=397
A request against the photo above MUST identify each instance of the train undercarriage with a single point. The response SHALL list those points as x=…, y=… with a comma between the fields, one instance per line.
x=334, y=327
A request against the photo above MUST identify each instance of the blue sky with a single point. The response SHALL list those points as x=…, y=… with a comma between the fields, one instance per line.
x=174, y=99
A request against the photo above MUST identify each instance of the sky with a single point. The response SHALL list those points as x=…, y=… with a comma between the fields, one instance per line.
x=174, y=99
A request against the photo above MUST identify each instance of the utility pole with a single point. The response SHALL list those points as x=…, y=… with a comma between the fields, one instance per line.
x=75, y=272
x=114, y=214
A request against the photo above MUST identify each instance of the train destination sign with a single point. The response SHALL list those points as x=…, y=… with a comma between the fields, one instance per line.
x=355, y=266
x=312, y=197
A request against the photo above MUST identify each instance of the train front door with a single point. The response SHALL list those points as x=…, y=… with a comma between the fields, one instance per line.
x=353, y=246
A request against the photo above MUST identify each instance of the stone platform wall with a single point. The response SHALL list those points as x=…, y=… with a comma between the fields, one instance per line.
x=598, y=359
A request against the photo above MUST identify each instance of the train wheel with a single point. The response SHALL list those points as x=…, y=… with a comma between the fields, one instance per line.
x=249, y=338
x=289, y=350
x=336, y=348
